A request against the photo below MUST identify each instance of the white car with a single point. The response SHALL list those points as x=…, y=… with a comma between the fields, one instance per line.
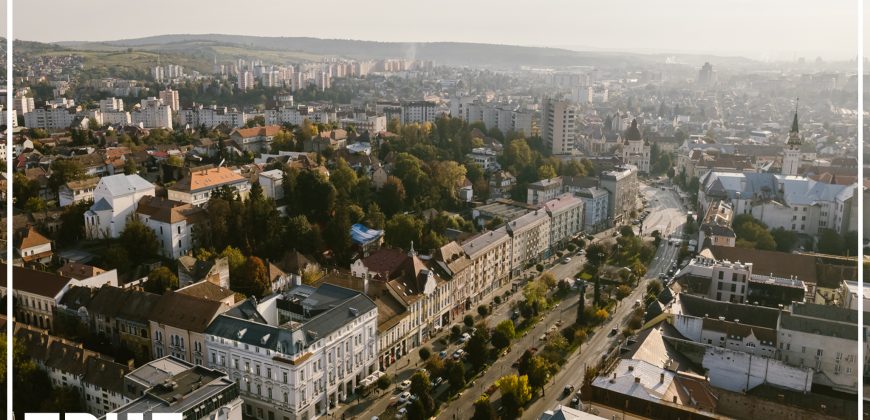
x=405, y=396
x=465, y=337
x=402, y=413
x=405, y=384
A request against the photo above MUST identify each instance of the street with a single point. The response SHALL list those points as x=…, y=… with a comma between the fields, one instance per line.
x=666, y=215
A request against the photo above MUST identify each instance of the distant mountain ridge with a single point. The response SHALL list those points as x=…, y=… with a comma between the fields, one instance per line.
x=449, y=53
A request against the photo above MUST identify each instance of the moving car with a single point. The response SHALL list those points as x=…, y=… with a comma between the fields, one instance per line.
x=614, y=331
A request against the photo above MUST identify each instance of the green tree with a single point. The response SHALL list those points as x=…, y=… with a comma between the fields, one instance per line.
x=343, y=178
x=402, y=229
x=392, y=196
x=503, y=334
x=483, y=409
x=546, y=172
x=538, y=373
x=64, y=170
x=421, y=386
x=375, y=219
x=139, y=241
x=425, y=353
x=455, y=374
x=161, y=280
x=478, y=348
x=830, y=242
x=786, y=240
x=315, y=196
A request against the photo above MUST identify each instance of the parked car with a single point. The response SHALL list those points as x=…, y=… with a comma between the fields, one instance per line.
x=458, y=354
x=405, y=396
x=568, y=390
x=437, y=381
x=405, y=384
x=614, y=331
x=567, y=259
x=465, y=337
x=402, y=413
x=442, y=354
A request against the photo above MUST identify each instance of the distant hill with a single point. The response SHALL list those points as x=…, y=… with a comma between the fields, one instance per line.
x=449, y=53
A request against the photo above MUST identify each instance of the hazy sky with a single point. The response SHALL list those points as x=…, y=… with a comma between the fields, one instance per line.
x=776, y=29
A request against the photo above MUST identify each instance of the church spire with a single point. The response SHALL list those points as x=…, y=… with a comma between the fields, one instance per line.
x=794, y=137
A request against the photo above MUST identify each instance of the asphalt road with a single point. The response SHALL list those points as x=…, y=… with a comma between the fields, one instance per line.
x=666, y=215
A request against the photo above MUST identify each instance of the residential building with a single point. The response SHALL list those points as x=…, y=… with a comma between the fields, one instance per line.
x=362, y=122
x=622, y=187
x=178, y=322
x=170, y=385
x=504, y=117
x=491, y=256
x=32, y=247
x=95, y=378
x=418, y=112
x=544, y=190
x=566, y=219
x=272, y=183
x=115, y=200
x=302, y=356
x=558, y=129
x=152, y=113
x=500, y=184
x=173, y=222
x=170, y=98
x=245, y=80
x=716, y=226
x=365, y=239
x=255, y=139
x=119, y=315
x=88, y=275
x=484, y=157
x=530, y=239
x=192, y=270
x=36, y=294
x=212, y=116
x=50, y=118
x=849, y=291
x=79, y=191
x=595, y=205
x=200, y=183
x=824, y=338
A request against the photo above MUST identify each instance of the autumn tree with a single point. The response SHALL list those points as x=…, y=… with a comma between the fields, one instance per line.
x=253, y=279
x=161, y=280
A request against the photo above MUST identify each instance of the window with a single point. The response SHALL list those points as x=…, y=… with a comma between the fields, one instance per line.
x=285, y=377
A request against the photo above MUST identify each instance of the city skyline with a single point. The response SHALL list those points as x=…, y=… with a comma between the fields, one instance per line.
x=791, y=29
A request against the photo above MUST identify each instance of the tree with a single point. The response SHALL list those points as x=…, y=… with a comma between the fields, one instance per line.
x=384, y=382
x=64, y=170
x=314, y=195
x=455, y=374
x=478, y=348
x=581, y=306
x=421, y=386
x=392, y=195
x=402, y=230
x=455, y=332
x=468, y=320
x=786, y=240
x=116, y=257
x=516, y=392
x=253, y=279
x=63, y=400
x=130, y=167
x=139, y=241
x=538, y=373
x=752, y=234
x=161, y=280
x=483, y=311
x=35, y=205
x=448, y=176
x=546, y=172
x=375, y=219
x=425, y=353
x=483, y=409
x=503, y=334
x=622, y=292
x=830, y=242
x=343, y=178
x=337, y=235
x=416, y=410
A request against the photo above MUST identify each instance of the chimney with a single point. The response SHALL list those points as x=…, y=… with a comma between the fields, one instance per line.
x=661, y=378
x=637, y=379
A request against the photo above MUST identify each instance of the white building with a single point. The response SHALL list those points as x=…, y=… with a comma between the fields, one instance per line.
x=245, y=80
x=272, y=183
x=50, y=118
x=566, y=218
x=173, y=223
x=298, y=115
x=791, y=158
x=111, y=105
x=152, y=113
x=418, y=112
x=543, y=190
x=361, y=122
x=558, y=129
x=491, y=256
x=115, y=199
x=298, y=354
x=530, y=238
x=849, y=291
x=595, y=203
x=169, y=98
x=505, y=118
x=212, y=116
x=824, y=338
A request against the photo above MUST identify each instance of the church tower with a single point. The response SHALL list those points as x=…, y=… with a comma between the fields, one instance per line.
x=791, y=158
x=636, y=150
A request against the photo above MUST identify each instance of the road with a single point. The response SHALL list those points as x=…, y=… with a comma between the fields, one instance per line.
x=667, y=216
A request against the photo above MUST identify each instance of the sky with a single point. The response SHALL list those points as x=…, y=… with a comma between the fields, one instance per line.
x=759, y=29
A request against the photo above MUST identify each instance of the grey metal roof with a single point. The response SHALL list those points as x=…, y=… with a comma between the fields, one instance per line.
x=125, y=184
x=101, y=205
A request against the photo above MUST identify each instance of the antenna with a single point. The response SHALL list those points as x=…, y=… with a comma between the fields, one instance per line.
x=796, y=101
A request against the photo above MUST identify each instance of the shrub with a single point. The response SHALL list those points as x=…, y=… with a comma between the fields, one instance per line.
x=599, y=316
